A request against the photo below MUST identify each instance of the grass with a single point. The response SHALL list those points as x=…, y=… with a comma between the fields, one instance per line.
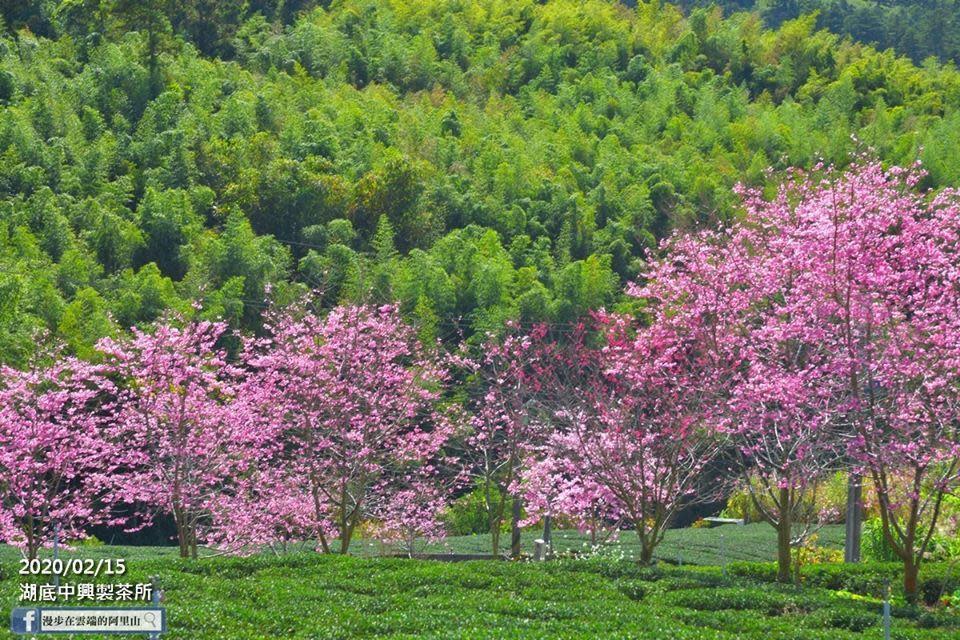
x=10, y=554
x=713, y=546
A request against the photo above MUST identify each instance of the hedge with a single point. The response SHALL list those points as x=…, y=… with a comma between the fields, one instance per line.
x=868, y=578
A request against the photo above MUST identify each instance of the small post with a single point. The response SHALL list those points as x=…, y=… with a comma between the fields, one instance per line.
x=854, y=520
x=538, y=549
x=515, y=547
x=680, y=555
x=156, y=597
x=886, y=611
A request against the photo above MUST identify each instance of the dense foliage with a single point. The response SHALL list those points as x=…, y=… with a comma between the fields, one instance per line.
x=476, y=161
x=919, y=29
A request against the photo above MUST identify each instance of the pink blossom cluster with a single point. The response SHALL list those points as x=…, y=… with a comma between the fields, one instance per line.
x=54, y=464
x=322, y=424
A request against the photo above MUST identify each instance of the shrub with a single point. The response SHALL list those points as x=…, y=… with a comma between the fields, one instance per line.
x=952, y=602
x=946, y=542
x=633, y=589
x=868, y=579
x=847, y=618
x=938, y=580
x=830, y=497
x=811, y=553
x=771, y=603
x=739, y=505
x=615, y=569
x=691, y=580
x=873, y=545
x=933, y=620
x=468, y=514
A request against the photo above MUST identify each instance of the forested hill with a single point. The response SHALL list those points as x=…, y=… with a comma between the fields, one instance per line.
x=917, y=28
x=475, y=160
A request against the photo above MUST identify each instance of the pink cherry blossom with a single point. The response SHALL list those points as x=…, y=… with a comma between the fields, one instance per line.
x=630, y=440
x=353, y=403
x=56, y=468
x=832, y=314
x=184, y=433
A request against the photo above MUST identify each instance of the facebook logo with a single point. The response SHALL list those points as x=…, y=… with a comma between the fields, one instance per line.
x=24, y=621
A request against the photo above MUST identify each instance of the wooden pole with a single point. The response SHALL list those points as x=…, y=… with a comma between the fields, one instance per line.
x=854, y=519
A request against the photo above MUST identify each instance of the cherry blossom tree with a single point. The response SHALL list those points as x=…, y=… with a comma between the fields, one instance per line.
x=743, y=295
x=782, y=400
x=873, y=297
x=265, y=510
x=553, y=485
x=893, y=290
x=354, y=398
x=832, y=309
x=186, y=435
x=410, y=514
x=55, y=466
x=782, y=421
x=631, y=440
x=908, y=440
x=511, y=373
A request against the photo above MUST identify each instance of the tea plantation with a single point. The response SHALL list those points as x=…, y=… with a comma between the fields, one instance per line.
x=305, y=595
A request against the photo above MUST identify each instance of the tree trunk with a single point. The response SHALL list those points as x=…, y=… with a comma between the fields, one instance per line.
x=646, y=554
x=33, y=543
x=193, y=542
x=346, y=532
x=496, y=519
x=783, y=538
x=515, y=528
x=318, y=513
x=324, y=546
x=854, y=519
x=33, y=549
x=911, y=572
x=647, y=542
x=593, y=527
x=348, y=520
x=182, y=541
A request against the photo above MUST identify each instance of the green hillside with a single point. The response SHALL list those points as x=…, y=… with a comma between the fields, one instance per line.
x=475, y=160
x=920, y=29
